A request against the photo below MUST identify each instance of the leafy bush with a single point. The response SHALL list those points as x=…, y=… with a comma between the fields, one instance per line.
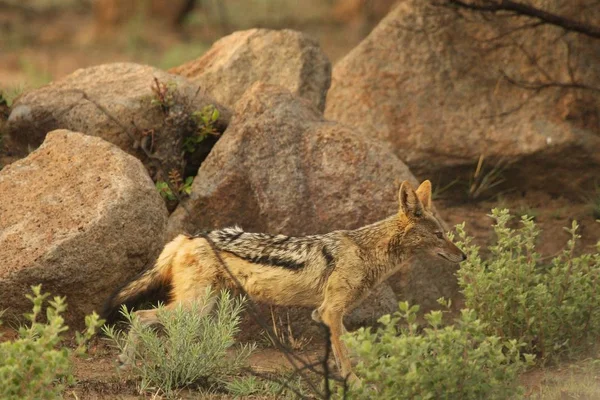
x=191, y=349
x=32, y=366
x=452, y=362
x=550, y=306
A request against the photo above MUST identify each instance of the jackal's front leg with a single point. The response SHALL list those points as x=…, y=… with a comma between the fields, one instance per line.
x=316, y=316
x=334, y=320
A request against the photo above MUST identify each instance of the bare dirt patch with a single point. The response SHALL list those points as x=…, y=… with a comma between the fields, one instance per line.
x=98, y=375
x=551, y=214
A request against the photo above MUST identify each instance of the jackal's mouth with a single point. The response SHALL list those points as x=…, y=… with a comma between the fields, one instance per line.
x=449, y=258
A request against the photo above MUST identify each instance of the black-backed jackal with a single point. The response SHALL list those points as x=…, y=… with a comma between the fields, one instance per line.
x=331, y=273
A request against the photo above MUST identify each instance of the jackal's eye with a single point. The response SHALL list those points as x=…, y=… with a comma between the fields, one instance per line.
x=440, y=235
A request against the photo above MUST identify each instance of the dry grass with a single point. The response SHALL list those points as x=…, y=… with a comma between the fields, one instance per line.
x=577, y=381
x=484, y=179
x=285, y=335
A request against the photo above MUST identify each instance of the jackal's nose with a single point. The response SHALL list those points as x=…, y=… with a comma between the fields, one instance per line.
x=463, y=256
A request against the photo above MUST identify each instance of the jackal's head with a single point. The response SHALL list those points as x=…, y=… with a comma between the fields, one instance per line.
x=423, y=233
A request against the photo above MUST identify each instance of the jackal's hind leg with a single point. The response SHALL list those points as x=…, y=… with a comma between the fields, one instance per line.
x=147, y=318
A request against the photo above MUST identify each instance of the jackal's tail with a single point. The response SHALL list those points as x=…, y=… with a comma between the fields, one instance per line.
x=151, y=285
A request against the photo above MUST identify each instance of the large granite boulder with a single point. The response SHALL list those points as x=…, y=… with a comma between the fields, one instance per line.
x=287, y=58
x=444, y=87
x=79, y=216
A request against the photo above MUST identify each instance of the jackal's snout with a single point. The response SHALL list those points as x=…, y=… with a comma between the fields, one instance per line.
x=451, y=252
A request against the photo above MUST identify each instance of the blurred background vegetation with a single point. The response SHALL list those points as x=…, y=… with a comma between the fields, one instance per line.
x=42, y=40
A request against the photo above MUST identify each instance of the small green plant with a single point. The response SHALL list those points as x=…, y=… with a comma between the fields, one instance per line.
x=482, y=180
x=245, y=386
x=163, y=95
x=525, y=211
x=205, y=121
x=93, y=322
x=187, y=185
x=451, y=362
x=551, y=307
x=183, y=187
x=593, y=201
x=192, y=348
x=558, y=213
x=280, y=386
x=251, y=385
x=165, y=191
x=34, y=366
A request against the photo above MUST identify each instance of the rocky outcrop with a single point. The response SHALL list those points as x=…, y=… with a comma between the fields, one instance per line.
x=79, y=216
x=281, y=168
x=439, y=87
x=285, y=57
x=141, y=109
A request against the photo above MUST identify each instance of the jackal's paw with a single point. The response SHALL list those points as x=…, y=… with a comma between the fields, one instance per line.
x=316, y=315
x=353, y=380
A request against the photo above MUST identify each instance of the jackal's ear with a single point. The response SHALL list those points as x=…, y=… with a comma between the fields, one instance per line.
x=424, y=194
x=410, y=204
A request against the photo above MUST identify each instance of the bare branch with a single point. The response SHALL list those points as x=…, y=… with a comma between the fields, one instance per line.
x=533, y=60
x=532, y=25
x=570, y=69
x=514, y=109
x=538, y=85
x=526, y=10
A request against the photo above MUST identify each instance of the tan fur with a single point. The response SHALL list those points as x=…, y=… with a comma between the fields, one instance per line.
x=332, y=272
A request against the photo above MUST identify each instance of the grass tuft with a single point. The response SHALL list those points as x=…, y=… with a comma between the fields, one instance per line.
x=191, y=349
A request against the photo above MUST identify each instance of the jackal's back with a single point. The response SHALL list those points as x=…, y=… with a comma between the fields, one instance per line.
x=276, y=250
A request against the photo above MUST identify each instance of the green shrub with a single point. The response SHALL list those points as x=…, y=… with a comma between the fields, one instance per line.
x=452, y=362
x=190, y=348
x=283, y=385
x=251, y=385
x=33, y=366
x=550, y=306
